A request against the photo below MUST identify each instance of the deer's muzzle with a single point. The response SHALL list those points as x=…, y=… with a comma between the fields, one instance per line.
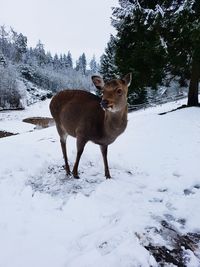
x=104, y=103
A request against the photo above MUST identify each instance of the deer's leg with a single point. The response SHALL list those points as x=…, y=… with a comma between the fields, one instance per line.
x=104, y=151
x=64, y=151
x=80, y=143
x=63, y=136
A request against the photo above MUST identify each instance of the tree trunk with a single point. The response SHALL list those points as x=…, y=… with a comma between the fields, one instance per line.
x=194, y=83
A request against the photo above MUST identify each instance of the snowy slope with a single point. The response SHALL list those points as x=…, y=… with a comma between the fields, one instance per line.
x=48, y=220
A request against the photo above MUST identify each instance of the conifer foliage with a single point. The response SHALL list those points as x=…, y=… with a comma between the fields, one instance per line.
x=181, y=32
x=108, y=67
x=157, y=41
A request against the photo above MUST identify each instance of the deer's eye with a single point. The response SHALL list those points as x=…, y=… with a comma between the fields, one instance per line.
x=119, y=91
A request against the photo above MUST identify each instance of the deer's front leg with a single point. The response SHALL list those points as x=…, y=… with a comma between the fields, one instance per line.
x=104, y=151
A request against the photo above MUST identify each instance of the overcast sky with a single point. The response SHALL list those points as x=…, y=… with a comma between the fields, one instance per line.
x=62, y=25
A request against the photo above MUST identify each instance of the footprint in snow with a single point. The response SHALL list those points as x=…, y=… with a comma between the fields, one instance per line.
x=192, y=190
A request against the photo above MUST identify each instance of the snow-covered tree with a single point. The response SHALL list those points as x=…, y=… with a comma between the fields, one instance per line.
x=138, y=46
x=20, y=46
x=49, y=59
x=157, y=40
x=108, y=68
x=81, y=64
x=56, y=62
x=181, y=33
x=93, y=65
x=68, y=61
x=40, y=53
x=3, y=40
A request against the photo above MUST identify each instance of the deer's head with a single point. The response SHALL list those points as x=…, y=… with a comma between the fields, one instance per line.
x=114, y=92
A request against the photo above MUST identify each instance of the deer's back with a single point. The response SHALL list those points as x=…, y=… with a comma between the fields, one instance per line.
x=78, y=112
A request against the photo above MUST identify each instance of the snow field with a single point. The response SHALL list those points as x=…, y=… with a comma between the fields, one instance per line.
x=48, y=220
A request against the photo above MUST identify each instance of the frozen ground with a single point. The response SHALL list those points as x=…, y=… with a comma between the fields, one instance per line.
x=151, y=204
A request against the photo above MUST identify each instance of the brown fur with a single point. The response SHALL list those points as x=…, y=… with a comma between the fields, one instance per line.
x=79, y=114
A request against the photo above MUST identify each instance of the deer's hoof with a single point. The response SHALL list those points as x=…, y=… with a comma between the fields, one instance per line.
x=76, y=176
x=68, y=173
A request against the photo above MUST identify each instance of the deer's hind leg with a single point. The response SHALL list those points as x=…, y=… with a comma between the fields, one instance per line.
x=63, y=138
x=80, y=143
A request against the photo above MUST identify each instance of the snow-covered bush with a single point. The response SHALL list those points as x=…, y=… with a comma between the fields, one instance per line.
x=52, y=80
x=10, y=93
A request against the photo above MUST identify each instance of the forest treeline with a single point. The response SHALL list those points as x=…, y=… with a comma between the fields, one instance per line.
x=20, y=64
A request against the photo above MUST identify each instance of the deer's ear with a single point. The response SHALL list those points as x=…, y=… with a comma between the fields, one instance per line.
x=98, y=82
x=127, y=79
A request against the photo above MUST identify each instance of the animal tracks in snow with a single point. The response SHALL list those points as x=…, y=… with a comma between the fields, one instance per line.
x=53, y=180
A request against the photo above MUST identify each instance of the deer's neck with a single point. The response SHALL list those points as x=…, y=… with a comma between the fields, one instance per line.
x=115, y=123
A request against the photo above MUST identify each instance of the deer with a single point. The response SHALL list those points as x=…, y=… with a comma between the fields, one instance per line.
x=89, y=117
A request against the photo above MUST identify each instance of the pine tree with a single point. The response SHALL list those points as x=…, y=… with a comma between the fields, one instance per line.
x=49, y=59
x=81, y=64
x=108, y=68
x=69, y=62
x=61, y=61
x=77, y=68
x=181, y=32
x=93, y=65
x=4, y=36
x=139, y=47
x=56, y=62
x=20, y=46
x=40, y=53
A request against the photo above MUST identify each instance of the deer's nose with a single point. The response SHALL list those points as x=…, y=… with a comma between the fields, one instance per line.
x=104, y=103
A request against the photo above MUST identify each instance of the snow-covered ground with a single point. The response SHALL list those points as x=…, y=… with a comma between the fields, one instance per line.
x=154, y=195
